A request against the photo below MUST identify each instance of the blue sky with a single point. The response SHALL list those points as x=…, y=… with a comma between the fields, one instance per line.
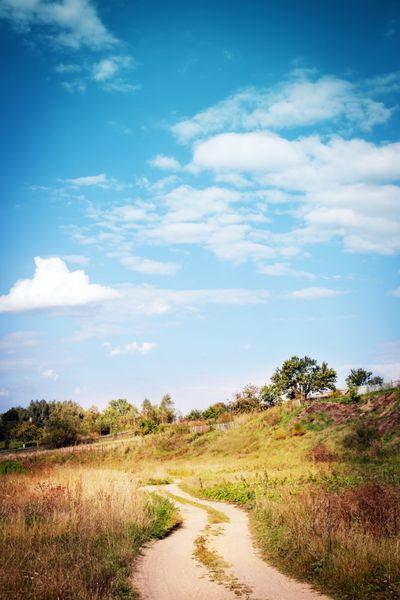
x=194, y=192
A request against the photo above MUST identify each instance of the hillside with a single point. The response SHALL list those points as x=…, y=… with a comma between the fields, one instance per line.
x=321, y=483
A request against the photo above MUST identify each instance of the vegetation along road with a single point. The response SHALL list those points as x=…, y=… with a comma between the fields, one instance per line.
x=211, y=556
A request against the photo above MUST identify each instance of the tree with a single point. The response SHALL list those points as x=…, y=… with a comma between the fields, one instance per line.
x=358, y=377
x=299, y=377
x=246, y=401
x=26, y=432
x=194, y=415
x=39, y=411
x=149, y=411
x=214, y=411
x=167, y=409
x=120, y=415
x=269, y=395
x=64, y=424
x=376, y=380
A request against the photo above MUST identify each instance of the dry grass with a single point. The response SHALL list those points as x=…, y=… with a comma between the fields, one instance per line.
x=345, y=540
x=70, y=533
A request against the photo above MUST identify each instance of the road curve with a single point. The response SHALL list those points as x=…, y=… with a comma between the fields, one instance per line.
x=167, y=569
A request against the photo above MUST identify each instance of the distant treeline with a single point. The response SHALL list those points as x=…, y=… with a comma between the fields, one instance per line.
x=55, y=424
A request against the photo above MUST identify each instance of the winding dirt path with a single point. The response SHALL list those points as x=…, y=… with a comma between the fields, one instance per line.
x=169, y=570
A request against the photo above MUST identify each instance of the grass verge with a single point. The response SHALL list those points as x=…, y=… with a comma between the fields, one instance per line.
x=72, y=533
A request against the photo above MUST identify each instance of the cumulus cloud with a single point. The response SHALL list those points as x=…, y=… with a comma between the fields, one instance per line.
x=130, y=348
x=70, y=23
x=52, y=286
x=314, y=293
x=345, y=188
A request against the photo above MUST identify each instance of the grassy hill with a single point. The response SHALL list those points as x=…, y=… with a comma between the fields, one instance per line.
x=321, y=483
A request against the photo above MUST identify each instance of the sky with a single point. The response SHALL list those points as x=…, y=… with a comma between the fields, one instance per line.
x=193, y=192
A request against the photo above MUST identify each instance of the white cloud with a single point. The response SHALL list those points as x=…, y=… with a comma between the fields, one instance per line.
x=283, y=270
x=50, y=374
x=108, y=73
x=248, y=152
x=167, y=163
x=4, y=392
x=105, y=69
x=101, y=181
x=150, y=267
x=314, y=293
x=76, y=259
x=343, y=188
x=53, y=285
x=70, y=23
x=130, y=348
x=302, y=100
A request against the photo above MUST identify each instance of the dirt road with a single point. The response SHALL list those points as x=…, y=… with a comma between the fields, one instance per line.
x=203, y=561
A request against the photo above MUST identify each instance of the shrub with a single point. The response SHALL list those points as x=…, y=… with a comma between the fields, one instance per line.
x=11, y=466
x=361, y=437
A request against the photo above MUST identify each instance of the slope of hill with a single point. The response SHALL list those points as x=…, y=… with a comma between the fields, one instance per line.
x=321, y=483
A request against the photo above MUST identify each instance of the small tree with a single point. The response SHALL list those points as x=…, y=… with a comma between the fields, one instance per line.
x=167, y=409
x=246, y=401
x=299, y=377
x=358, y=377
x=194, y=415
x=213, y=412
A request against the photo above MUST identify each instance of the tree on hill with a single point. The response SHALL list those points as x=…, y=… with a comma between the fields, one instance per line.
x=248, y=400
x=214, y=411
x=269, y=395
x=149, y=411
x=358, y=377
x=194, y=415
x=299, y=377
x=167, y=409
x=120, y=415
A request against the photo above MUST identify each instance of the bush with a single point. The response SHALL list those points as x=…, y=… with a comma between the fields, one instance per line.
x=361, y=437
x=11, y=466
x=147, y=426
